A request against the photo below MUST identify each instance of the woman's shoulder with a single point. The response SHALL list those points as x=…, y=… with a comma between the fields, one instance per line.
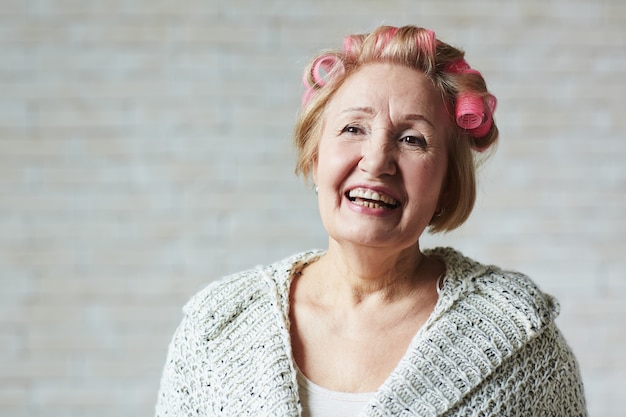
x=222, y=300
x=494, y=291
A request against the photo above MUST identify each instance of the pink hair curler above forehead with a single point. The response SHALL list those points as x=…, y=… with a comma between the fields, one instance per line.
x=428, y=41
x=327, y=64
x=347, y=44
x=382, y=39
x=322, y=70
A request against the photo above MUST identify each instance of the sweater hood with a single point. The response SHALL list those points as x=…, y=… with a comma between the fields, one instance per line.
x=224, y=300
x=484, y=316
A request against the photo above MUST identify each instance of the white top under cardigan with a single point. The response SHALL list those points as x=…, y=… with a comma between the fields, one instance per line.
x=490, y=347
x=318, y=401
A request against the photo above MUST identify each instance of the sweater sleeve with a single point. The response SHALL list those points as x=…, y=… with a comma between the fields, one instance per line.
x=541, y=379
x=183, y=381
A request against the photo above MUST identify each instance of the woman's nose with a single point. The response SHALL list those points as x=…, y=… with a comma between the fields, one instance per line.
x=378, y=155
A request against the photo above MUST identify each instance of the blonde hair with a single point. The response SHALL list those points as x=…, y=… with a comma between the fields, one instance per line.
x=445, y=66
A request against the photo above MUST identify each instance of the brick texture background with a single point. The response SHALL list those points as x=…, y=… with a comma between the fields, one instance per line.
x=145, y=150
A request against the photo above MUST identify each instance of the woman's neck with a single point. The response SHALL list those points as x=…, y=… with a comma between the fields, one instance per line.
x=359, y=273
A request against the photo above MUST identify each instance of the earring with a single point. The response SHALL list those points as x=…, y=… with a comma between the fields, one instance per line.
x=316, y=189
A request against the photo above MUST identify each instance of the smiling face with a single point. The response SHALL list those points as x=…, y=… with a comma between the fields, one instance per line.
x=382, y=157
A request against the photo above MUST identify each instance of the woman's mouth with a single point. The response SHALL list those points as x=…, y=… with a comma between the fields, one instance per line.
x=371, y=199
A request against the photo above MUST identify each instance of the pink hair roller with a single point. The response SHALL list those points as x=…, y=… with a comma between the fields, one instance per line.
x=327, y=64
x=382, y=39
x=428, y=41
x=347, y=44
x=322, y=69
x=351, y=45
x=460, y=67
x=469, y=111
x=474, y=113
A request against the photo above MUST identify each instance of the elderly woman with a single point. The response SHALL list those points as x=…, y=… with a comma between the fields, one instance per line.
x=374, y=325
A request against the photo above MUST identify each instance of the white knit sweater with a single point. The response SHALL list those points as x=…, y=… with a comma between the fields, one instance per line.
x=490, y=348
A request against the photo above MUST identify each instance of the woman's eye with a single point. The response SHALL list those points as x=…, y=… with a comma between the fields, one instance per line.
x=419, y=141
x=351, y=129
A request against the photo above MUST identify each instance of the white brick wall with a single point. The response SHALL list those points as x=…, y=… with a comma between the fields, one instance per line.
x=145, y=150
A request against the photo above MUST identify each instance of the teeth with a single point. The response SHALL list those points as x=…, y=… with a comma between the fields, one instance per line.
x=369, y=204
x=372, y=196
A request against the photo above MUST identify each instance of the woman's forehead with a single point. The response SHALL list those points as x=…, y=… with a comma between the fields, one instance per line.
x=388, y=88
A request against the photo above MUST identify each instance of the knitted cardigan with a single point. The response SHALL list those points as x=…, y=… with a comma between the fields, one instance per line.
x=490, y=348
